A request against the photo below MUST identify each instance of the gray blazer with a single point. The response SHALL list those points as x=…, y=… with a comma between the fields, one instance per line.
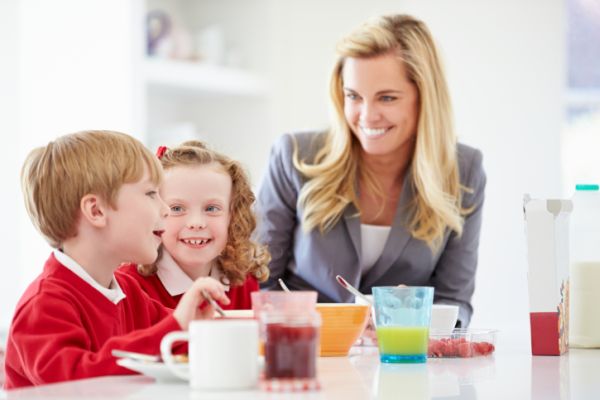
x=311, y=261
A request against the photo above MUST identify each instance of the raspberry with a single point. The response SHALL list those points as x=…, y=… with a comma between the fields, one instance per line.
x=459, y=347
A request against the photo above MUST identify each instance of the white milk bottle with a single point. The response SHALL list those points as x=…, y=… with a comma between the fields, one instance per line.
x=585, y=267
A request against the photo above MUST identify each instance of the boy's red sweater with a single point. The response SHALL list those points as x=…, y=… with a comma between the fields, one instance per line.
x=152, y=285
x=64, y=329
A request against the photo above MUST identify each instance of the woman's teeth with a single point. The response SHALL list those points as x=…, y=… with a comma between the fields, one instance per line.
x=373, y=132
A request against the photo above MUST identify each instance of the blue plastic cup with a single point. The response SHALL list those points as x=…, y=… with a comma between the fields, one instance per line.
x=402, y=318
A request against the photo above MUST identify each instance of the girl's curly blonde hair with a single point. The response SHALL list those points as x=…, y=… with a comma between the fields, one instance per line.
x=241, y=255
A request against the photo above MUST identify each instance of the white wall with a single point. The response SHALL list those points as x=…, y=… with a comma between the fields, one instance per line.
x=10, y=200
x=506, y=70
x=71, y=64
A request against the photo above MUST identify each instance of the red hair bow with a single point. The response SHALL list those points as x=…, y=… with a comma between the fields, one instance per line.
x=160, y=152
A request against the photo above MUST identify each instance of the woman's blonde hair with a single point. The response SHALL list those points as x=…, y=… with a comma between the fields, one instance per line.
x=241, y=255
x=331, y=185
x=54, y=178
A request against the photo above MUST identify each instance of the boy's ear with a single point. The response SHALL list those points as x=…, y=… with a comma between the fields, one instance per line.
x=93, y=210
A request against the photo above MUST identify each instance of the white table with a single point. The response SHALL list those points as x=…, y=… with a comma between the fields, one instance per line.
x=505, y=375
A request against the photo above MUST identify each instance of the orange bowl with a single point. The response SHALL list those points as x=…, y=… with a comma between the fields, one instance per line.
x=341, y=326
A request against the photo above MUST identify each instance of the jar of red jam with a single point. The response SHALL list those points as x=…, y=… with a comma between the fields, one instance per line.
x=290, y=330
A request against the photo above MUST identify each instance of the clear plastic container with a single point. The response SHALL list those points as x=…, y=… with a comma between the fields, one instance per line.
x=462, y=343
x=585, y=267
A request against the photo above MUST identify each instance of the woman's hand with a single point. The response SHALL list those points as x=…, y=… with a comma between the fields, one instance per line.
x=189, y=307
x=369, y=335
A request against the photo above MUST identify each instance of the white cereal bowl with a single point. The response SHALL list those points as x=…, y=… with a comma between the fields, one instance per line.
x=443, y=318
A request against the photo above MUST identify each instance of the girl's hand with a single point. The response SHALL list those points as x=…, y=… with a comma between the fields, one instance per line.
x=189, y=309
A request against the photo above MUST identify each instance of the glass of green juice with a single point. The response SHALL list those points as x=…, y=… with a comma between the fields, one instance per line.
x=402, y=317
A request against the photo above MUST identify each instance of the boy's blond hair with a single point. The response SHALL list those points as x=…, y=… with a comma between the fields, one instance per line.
x=241, y=256
x=57, y=176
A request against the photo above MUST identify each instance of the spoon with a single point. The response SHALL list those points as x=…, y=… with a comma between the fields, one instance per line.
x=213, y=303
x=135, y=356
x=344, y=283
x=283, y=285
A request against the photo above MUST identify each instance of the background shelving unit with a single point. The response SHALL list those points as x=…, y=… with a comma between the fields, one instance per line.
x=202, y=79
x=214, y=100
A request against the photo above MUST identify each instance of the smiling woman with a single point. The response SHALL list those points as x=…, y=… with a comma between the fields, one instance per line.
x=388, y=171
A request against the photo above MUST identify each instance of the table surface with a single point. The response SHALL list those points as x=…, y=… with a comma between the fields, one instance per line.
x=504, y=375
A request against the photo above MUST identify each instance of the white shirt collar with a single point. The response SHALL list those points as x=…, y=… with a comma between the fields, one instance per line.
x=113, y=293
x=175, y=280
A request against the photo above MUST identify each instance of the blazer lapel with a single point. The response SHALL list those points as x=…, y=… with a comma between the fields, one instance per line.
x=352, y=224
x=397, y=240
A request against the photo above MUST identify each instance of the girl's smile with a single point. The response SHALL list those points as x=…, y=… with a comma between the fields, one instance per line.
x=196, y=242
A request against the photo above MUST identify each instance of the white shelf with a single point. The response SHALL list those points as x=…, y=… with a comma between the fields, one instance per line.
x=201, y=78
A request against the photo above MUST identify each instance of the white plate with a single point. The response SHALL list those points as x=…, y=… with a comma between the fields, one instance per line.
x=156, y=370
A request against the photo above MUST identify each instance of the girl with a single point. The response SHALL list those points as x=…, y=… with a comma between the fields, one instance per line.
x=208, y=229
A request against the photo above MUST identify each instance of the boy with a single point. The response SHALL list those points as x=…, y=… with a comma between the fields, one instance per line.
x=94, y=197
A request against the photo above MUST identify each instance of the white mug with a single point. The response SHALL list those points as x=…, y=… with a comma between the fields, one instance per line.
x=443, y=318
x=223, y=353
